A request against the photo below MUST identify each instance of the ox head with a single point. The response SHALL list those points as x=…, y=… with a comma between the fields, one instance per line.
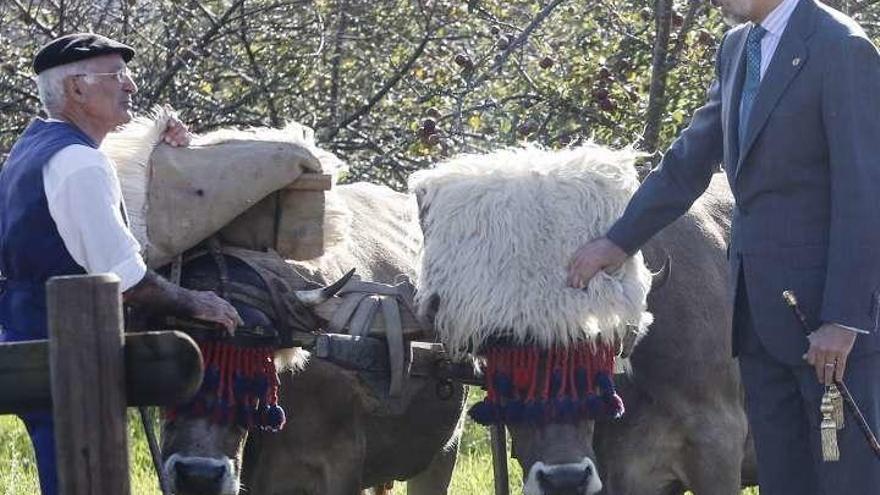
x=549, y=399
x=203, y=440
x=202, y=457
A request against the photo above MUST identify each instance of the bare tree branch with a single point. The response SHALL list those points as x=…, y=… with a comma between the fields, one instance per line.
x=659, y=73
x=29, y=18
x=377, y=97
x=184, y=58
x=516, y=43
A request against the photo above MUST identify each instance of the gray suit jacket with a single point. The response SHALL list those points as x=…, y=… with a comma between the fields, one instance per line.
x=806, y=179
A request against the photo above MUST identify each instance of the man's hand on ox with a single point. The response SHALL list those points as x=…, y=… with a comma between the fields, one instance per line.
x=159, y=296
x=208, y=306
x=830, y=346
x=600, y=254
x=176, y=133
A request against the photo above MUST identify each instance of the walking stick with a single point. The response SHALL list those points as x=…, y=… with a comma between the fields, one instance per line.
x=791, y=301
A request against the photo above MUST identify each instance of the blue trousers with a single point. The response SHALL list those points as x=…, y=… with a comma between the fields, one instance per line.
x=782, y=404
x=42, y=432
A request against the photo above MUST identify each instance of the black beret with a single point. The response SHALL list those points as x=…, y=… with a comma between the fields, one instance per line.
x=76, y=47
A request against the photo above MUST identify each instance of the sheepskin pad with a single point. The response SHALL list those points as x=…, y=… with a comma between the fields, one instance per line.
x=499, y=231
x=177, y=197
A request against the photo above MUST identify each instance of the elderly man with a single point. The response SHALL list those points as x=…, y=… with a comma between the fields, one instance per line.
x=793, y=115
x=61, y=209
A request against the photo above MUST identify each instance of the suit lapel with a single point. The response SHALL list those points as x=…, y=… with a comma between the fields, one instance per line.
x=731, y=98
x=791, y=55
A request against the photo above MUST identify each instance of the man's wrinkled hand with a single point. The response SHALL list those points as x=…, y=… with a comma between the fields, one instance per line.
x=176, y=133
x=210, y=307
x=600, y=254
x=830, y=346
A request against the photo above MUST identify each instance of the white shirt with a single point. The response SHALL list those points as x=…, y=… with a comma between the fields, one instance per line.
x=775, y=24
x=84, y=199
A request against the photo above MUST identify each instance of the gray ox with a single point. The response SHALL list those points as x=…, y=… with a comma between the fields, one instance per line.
x=684, y=426
x=342, y=434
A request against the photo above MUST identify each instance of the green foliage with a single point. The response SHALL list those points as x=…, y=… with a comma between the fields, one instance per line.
x=526, y=71
x=489, y=73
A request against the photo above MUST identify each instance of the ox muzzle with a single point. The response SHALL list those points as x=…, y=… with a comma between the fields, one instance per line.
x=201, y=476
x=579, y=478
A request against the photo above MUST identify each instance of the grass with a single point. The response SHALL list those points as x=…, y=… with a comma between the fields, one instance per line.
x=18, y=476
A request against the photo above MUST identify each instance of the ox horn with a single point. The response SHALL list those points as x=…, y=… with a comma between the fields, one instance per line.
x=660, y=278
x=315, y=297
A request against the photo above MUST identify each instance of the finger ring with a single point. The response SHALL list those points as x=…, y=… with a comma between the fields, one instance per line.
x=829, y=365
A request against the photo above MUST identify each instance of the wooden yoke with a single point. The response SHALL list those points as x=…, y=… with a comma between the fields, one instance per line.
x=290, y=220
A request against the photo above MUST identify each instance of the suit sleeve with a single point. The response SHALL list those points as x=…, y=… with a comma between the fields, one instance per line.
x=683, y=175
x=851, y=116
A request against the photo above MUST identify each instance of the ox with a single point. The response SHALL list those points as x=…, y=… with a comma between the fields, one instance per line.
x=521, y=214
x=342, y=432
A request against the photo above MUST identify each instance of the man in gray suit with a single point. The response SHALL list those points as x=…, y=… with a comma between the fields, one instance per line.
x=794, y=114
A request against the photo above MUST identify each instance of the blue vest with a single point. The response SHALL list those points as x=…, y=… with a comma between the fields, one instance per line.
x=31, y=250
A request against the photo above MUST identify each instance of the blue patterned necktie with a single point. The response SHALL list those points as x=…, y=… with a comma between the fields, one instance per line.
x=753, y=79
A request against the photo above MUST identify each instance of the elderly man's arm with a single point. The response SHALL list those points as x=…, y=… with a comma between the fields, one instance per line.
x=157, y=295
x=84, y=200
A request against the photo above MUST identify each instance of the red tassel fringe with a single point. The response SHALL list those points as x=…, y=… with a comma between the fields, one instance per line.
x=240, y=387
x=526, y=383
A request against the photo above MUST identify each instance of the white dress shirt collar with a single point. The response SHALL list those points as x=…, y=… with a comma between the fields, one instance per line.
x=777, y=20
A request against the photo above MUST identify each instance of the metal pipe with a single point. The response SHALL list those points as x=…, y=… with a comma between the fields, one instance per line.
x=156, y=454
x=498, y=436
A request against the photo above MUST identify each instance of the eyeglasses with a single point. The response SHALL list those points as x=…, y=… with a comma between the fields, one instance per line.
x=121, y=75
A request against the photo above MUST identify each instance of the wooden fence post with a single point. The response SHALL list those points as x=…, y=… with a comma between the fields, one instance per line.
x=88, y=384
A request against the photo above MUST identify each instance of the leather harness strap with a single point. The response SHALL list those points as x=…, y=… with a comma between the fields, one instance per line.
x=394, y=337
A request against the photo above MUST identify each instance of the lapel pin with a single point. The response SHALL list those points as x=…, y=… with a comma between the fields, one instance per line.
x=796, y=61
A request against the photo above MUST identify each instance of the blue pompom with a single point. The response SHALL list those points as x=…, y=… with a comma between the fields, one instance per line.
x=514, y=411
x=484, y=413
x=503, y=384
x=534, y=412
x=275, y=418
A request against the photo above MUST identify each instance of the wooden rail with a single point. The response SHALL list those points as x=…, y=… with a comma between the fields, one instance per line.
x=88, y=372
